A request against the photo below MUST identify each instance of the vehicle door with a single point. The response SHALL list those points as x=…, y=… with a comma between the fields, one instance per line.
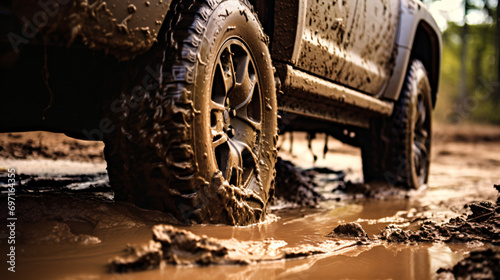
x=350, y=42
x=371, y=49
x=323, y=31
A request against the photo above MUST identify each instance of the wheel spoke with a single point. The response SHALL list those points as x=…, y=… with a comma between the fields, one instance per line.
x=217, y=106
x=244, y=118
x=421, y=134
x=224, y=77
x=417, y=159
x=245, y=79
x=232, y=172
x=250, y=111
x=422, y=148
x=421, y=115
x=245, y=133
x=227, y=66
x=421, y=154
x=245, y=91
x=217, y=119
x=219, y=139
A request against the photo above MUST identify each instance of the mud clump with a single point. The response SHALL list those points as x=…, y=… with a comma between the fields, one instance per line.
x=482, y=264
x=394, y=234
x=483, y=225
x=178, y=247
x=183, y=247
x=349, y=230
x=428, y=232
x=296, y=186
x=139, y=258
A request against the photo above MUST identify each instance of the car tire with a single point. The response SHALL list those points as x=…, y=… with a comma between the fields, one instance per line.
x=197, y=126
x=397, y=152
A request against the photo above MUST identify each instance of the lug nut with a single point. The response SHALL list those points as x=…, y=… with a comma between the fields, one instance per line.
x=233, y=113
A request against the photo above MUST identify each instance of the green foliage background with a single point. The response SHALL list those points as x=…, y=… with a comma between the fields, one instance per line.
x=481, y=103
x=482, y=100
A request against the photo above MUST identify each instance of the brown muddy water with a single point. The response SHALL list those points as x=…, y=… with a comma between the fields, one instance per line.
x=68, y=228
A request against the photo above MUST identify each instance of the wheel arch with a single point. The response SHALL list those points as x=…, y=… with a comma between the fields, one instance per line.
x=265, y=12
x=418, y=38
x=426, y=48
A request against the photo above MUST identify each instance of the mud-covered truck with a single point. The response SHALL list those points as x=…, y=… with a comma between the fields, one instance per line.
x=189, y=96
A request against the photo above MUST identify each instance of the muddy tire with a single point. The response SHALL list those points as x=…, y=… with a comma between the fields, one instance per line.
x=197, y=128
x=398, y=149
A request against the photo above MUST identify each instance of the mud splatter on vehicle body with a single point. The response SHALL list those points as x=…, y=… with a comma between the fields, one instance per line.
x=108, y=26
x=350, y=42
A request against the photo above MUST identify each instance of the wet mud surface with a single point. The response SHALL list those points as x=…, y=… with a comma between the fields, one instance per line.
x=69, y=227
x=482, y=225
x=175, y=246
x=41, y=145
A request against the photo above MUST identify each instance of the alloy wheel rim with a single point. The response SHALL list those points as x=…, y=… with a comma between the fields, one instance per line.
x=421, y=141
x=236, y=112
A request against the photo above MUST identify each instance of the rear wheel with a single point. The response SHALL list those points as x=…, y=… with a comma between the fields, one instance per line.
x=398, y=151
x=203, y=145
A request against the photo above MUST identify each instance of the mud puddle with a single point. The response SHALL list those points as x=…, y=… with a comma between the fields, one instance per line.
x=76, y=236
x=65, y=232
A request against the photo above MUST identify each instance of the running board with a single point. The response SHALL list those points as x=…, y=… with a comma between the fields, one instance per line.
x=310, y=96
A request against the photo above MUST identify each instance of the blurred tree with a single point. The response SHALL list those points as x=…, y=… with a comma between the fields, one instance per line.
x=471, y=59
x=463, y=55
x=493, y=14
x=498, y=52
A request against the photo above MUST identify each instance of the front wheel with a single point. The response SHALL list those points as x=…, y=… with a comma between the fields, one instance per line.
x=398, y=150
x=203, y=146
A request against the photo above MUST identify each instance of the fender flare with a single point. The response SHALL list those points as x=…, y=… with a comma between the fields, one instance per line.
x=414, y=18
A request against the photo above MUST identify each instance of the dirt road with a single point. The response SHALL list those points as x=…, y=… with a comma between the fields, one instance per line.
x=68, y=227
